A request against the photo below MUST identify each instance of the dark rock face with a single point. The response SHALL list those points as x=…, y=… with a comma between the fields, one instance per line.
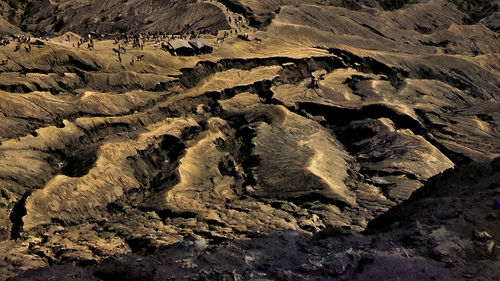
x=334, y=142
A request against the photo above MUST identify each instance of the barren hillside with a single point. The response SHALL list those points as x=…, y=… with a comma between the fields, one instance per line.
x=320, y=140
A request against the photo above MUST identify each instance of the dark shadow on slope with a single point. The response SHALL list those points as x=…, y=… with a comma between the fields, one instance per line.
x=79, y=163
x=464, y=194
x=465, y=183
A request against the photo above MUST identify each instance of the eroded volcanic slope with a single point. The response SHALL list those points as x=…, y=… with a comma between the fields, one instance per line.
x=118, y=16
x=236, y=165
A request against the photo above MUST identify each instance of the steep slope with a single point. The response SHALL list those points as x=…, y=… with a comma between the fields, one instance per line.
x=443, y=231
x=109, y=17
x=314, y=124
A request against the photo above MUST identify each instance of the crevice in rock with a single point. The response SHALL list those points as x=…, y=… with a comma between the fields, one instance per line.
x=16, y=216
x=192, y=76
x=165, y=214
x=369, y=65
x=156, y=167
x=76, y=164
x=245, y=135
x=339, y=116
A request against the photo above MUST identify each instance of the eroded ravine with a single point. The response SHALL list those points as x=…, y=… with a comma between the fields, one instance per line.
x=225, y=148
x=302, y=70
